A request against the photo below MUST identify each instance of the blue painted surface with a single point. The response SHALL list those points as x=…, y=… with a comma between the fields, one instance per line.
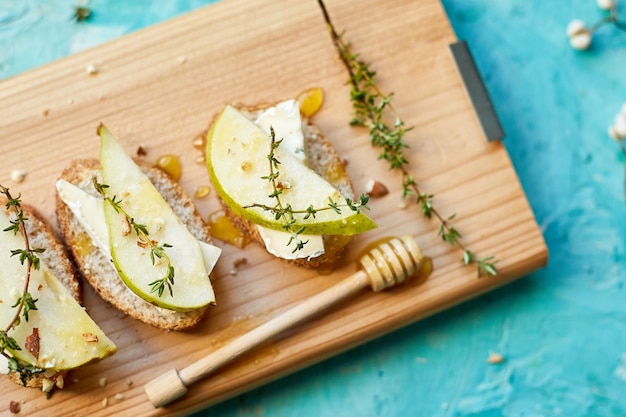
x=562, y=330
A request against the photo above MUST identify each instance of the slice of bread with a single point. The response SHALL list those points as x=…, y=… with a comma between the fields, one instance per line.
x=326, y=162
x=98, y=269
x=41, y=235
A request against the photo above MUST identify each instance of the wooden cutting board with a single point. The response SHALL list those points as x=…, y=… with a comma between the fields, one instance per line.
x=159, y=88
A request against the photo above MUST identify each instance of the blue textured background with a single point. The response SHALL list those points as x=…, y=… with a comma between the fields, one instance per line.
x=561, y=330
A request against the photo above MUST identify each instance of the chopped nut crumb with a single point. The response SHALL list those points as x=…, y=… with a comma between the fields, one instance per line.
x=47, y=385
x=199, y=142
x=495, y=358
x=105, y=402
x=119, y=396
x=126, y=229
x=141, y=151
x=60, y=382
x=283, y=185
x=17, y=175
x=129, y=383
x=45, y=112
x=376, y=189
x=182, y=59
x=90, y=337
x=103, y=382
x=32, y=343
x=14, y=407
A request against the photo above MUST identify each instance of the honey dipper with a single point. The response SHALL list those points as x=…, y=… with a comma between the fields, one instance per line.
x=385, y=265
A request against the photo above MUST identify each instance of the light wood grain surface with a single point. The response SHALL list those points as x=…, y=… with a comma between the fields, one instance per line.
x=159, y=87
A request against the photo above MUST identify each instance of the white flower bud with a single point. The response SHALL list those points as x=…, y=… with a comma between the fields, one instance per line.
x=580, y=41
x=575, y=27
x=605, y=4
x=620, y=127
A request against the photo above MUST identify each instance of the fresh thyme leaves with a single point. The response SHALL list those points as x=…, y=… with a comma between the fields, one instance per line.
x=372, y=109
x=25, y=303
x=157, y=251
x=286, y=212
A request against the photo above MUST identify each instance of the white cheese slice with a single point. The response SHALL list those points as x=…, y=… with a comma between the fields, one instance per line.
x=89, y=211
x=284, y=118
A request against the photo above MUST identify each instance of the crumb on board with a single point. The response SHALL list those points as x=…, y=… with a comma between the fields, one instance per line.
x=92, y=69
x=237, y=262
x=119, y=396
x=14, y=407
x=240, y=261
x=105, y=402
x=376, y=189
x=103, y=382
x=17, y=175
x=141, y=151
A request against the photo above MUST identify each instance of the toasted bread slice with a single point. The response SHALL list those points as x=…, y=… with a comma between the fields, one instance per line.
x=326, y=162
x=99, y=270
x=55, y=257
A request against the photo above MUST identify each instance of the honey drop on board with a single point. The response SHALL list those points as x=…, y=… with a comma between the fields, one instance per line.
x=170, y=164
x=311, y=101
x=202, y=191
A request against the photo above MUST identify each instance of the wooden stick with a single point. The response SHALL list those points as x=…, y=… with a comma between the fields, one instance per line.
x=385, y=265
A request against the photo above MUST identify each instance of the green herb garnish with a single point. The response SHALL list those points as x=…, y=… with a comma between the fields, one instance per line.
x=285, y=212
x=157, y=251
x=25, y=303
x=371, y=109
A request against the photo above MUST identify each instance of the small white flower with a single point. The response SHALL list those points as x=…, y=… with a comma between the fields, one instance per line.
x=620, y=126
x=575, y=27
x=606, y=4
x=579, y=35
x=623, y=111
x=580, y=41
x=613, y=133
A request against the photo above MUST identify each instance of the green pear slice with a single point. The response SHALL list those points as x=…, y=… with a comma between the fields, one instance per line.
x=237, y=158
x=140, y=199
x=68, y=337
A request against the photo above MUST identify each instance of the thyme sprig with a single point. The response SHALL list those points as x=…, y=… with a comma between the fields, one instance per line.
x=371, y=109
x=157, y=251
x=286, y=212
x=25, y=303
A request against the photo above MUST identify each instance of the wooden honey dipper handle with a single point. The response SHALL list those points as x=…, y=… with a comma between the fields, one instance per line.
x=385, y=265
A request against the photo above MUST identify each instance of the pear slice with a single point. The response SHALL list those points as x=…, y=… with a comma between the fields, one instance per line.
x=89, y=212
x=237, y=158
x=68, y=337
x=139, y=198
